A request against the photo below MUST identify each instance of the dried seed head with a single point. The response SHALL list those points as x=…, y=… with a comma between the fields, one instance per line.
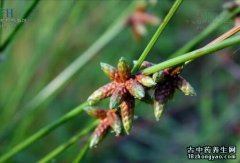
x=127, y=112
x=101, y=93
x=123, y=69
x=145, y=80
x=109, y=70
x=135, y=88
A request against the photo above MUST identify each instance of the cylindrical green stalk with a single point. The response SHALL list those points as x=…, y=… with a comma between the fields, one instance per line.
x=192, y=55
x=69, y=143
x=85, y=57
x=156, y=35
x=73, y=68
x=83, y=153
x=63, y=78
x=11, y=105
x=215, y=24
x=172, y=62
x=226, y=35
x=152, y=42
x=43, y=132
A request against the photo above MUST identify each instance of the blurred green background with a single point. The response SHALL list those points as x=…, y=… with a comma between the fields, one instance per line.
x=59, y=31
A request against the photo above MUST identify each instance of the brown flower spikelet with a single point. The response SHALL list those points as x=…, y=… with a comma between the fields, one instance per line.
x=127, y=113
x=101, y=93
x=122, y=83
x=167, y=82
x=110, y=119
x=99, y=132
x=123, y=90
x=139, y=19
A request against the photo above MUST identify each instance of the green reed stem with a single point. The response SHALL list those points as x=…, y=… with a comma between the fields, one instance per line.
x=43, y=132
x=224, y=17
x=216, y=23
x=60, y=80
x=72, y=69
x=13, y=103
x=192, y=55
x=19, y=26
x=70, y=115
x=226, y=35
x=172, y=62
x=83, y=153
x=156, y=35
x=69, y=143
x=85, y=57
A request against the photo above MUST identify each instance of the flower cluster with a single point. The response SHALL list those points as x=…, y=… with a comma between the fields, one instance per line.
x=139, y=19
x=125, y=88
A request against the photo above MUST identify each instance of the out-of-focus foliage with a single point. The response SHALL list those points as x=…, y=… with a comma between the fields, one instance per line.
x=58, y=31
